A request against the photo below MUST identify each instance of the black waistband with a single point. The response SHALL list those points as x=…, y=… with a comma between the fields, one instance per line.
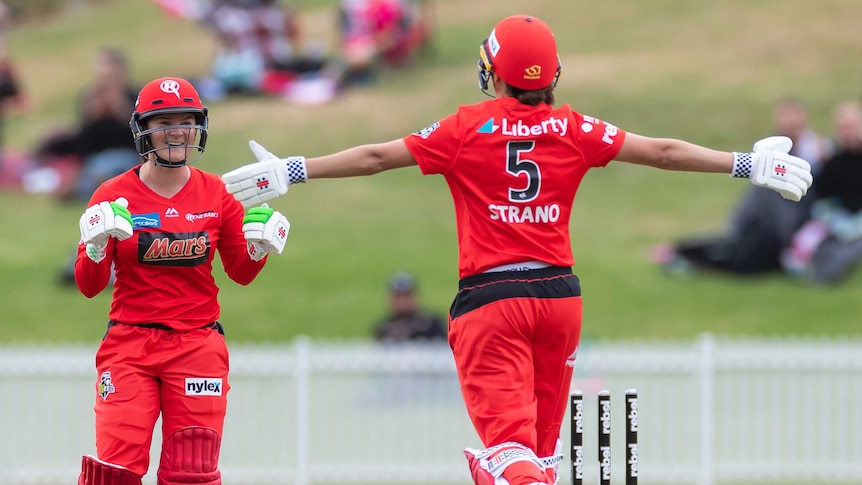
x=530, y=274
x=161, y=326
x=479, y=290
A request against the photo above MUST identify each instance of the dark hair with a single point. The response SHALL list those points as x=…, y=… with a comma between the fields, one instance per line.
x=534, y=97
x=402, y=282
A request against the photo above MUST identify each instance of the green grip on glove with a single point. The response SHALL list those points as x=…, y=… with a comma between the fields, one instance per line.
x=258, y=214
x=122, y=211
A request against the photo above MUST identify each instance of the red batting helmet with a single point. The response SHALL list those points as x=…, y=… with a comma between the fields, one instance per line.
x=522, y=51
x=164, y=96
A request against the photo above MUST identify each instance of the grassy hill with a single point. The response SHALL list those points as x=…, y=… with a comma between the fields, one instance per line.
x=704, y=71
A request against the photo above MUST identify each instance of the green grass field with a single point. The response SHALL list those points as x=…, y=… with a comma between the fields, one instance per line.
x=700, y=70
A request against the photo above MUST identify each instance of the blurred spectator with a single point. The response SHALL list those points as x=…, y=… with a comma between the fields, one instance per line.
x=375, y=33
x=763, y=223
x=791, y=120
x=9, y=85
x=12, y=98
x=10, y=90
x=184, y=9
x=829, y=245
x=259, y=48
x=406, y=321
x=102, y=145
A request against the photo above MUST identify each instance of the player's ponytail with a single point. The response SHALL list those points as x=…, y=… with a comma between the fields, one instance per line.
x=534, y=97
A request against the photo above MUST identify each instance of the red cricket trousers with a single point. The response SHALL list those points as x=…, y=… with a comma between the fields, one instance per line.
x=512, y=335
x=143, y=372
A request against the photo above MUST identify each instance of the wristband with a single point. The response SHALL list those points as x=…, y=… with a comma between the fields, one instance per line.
x=296, y=170
x=742, y=165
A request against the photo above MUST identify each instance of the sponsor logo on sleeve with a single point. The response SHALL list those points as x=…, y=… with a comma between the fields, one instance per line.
x=424, y=133
x=591, y=123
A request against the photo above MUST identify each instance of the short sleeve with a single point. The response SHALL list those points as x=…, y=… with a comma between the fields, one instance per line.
x=600, y=141
x=435, y=147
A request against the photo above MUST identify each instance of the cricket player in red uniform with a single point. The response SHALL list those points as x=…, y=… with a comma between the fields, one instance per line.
x=159, y=225
x=513, y=165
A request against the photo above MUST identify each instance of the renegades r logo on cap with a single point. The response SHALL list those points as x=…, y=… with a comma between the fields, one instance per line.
x=533, y=72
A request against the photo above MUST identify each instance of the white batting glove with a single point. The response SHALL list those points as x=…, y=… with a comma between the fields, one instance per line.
x=265, y=230
x=770, y=166
x=265, y=179
x=104, y=220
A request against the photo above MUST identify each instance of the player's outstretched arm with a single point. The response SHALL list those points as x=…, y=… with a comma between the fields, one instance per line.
x=271, y=176
x=768, y=165
x=362, y=160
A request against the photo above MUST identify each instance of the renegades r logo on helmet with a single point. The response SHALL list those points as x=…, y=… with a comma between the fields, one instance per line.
x=171, y=87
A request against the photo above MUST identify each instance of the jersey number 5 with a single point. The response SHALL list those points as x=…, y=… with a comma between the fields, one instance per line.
x=516, y=165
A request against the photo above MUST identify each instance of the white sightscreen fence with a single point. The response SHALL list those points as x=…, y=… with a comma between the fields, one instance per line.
x=324, y=412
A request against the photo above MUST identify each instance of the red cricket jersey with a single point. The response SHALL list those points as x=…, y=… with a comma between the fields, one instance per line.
x=513, y=171
x=164, y=271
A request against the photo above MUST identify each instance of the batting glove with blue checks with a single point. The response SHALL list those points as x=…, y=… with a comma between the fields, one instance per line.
x=265, y=179
x=770, y=166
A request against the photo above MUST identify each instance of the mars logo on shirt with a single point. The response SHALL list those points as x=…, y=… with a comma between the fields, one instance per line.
x=173, y=249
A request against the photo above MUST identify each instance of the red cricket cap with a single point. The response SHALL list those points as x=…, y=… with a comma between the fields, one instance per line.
x=523, y=52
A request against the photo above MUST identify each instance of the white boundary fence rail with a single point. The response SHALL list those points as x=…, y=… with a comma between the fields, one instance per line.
x=312, y=412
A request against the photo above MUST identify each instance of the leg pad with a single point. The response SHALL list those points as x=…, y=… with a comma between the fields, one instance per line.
x=190, y=456
x=97, y=472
